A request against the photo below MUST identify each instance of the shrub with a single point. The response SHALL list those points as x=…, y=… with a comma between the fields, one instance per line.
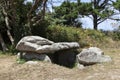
x=115, y=35
x=96, y=35
x=85, y=38
x=59, y=33
x=11, y=50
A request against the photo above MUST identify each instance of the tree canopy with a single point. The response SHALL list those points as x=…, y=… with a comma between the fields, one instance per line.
x=19, y=18
x=98, y=9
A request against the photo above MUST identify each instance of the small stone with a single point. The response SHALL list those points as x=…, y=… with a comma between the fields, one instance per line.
x=80, y=66
x=32, y=62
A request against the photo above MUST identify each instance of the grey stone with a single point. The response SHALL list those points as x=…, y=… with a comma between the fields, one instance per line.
x=57, y=47
x=92, y=55
x=32, y=62
x=105, y=58
x=31, y=43
x=80, y=66
x=41, y=45
x=33, y=56
x=35, y=47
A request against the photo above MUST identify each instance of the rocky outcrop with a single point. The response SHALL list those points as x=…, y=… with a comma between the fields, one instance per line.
x=92, y=55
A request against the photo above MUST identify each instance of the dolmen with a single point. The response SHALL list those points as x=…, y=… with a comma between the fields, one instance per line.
x=62, y=53
x=36, y=47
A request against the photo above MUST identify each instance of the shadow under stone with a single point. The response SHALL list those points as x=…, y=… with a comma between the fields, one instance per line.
x=65, y=58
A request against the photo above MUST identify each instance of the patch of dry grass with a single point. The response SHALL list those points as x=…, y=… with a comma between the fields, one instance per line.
x=10, y=70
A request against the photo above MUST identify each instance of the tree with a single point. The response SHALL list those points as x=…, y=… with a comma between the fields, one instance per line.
x=38, y=8
x=5, y=6
x=117, y=5
x=101, y=11
x=5, y=10
x=98, y=9
x=66, y=13
x=19, y=16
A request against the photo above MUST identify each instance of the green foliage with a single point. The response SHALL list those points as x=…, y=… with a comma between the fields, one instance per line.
x=40, y=30
x=11, y=50
x=97, y=35
x=84, y=8
x=21, y=61
x=115, y=35
x=117, y=4
x=19, y=28
x=1, y=52
x=66, y=13
x=59, y=33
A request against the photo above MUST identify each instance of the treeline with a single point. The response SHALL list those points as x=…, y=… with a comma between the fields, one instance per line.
x=19, y=18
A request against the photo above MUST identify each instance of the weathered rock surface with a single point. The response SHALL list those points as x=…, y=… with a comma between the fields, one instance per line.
x=92, y=55
x=35, y=47
x=80, y=66
x=31, y=43
x=57, y=47
x=32, y=62
x=41, y=45
x=34, y=56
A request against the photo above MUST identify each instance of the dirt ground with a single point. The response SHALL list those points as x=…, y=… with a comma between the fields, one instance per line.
x=11, y=70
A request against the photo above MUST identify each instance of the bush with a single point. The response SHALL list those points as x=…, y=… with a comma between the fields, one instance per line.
x=11, y=50
x=115, y=35
x=96, y=35
x=59, y=33
x=85, y=38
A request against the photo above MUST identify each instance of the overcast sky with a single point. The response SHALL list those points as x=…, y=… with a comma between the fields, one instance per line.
x=87, y=22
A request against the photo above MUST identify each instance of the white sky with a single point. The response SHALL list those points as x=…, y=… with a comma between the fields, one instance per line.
x=87, y=22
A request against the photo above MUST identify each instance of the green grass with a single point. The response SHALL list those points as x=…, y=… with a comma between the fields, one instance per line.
x=21, y=61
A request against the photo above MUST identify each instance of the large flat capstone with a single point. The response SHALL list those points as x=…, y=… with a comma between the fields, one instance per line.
x=38, y=44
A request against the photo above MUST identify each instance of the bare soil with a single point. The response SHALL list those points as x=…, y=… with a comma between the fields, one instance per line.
x=11, y=70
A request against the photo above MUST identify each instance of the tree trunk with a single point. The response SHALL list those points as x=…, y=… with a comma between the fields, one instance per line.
x=28, y=27
x=8, y=26
x=44, y=8
x=33, y=8
x=8, y=30
x=95, y=22
x=10, y=37
x=3, y=43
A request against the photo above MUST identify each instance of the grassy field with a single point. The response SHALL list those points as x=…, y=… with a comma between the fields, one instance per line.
x=11, y=70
